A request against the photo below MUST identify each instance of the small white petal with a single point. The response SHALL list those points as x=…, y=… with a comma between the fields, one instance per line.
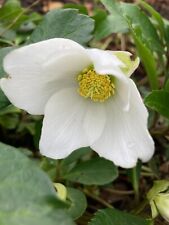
x=37, y=71
x=125, y=137
x=62, y=130
x=105, y=62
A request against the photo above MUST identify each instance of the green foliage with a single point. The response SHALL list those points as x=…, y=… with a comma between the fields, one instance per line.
x=96, y=171
x=159, y=101
x=78, y=203
x=82, y=9
x=134, y=176
x=111, y=24
x=156, y=16
x=3, y=53
x=27, y=193
x=3, y=99
x=13, y=18
x=144, y=33
x=116, y=217
x=76, y=26
x=142, y=25
x=25, y=190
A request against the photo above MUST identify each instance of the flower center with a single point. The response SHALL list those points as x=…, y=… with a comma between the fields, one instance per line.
x=95, y=86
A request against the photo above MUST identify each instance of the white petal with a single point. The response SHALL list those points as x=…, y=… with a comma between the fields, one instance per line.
x=94, y=120
x=39, y=70
x=62, y=130
x=126, y=138
x=29, y=60
x=105, y=62
x=31, y=94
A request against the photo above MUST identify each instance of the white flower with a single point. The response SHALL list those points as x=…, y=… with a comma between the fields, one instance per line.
x=161, y=202
x=158, y=197
x=86, y=96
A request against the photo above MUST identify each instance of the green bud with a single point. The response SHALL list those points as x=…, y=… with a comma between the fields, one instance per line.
x=61, y=191
x=162, y=203
x=158, y=197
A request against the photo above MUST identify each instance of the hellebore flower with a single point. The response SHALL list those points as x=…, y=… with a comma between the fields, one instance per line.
x=158, y=197
x=86, y=96
x=162, y=204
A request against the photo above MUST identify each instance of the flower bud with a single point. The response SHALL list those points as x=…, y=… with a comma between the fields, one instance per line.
x=162, y=203
x=158, y=197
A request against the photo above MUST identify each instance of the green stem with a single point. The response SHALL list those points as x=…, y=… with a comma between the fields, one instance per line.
x=135, y=184
x=140, y=208
x=97, y=198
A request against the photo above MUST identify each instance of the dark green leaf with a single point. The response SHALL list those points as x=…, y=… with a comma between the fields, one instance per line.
x=116, y=217
x=64, y=23
x=72, y=159
x=27, y=195
x=167, y=33
x=3, y=99
x=78, y=203
x=96, y=171
x=99, y=16
x=159, y=101
x=4, y=102
x=82, y=9
x=166, y=87
x=3, y=53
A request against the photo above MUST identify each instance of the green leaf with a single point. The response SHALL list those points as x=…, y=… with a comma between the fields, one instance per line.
x=3, y=53
x=81, y=8
x=27, y=195
x=3, y=99
x=159, y=101
x=116, y=217
x=78, y=202
x=96, y=171
x=112, y=6
x=144, y=33
x=69, y=162
x=12, y=15
x=167, y=33
x=166, y=87
x=147, y=59
x=4, y=102
x=99, y=16
x=64, y=23
x=141, y=22
x=111, y=24
x=156, y=16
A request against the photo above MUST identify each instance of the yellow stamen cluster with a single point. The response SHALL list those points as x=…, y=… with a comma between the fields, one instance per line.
x=95, y=86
